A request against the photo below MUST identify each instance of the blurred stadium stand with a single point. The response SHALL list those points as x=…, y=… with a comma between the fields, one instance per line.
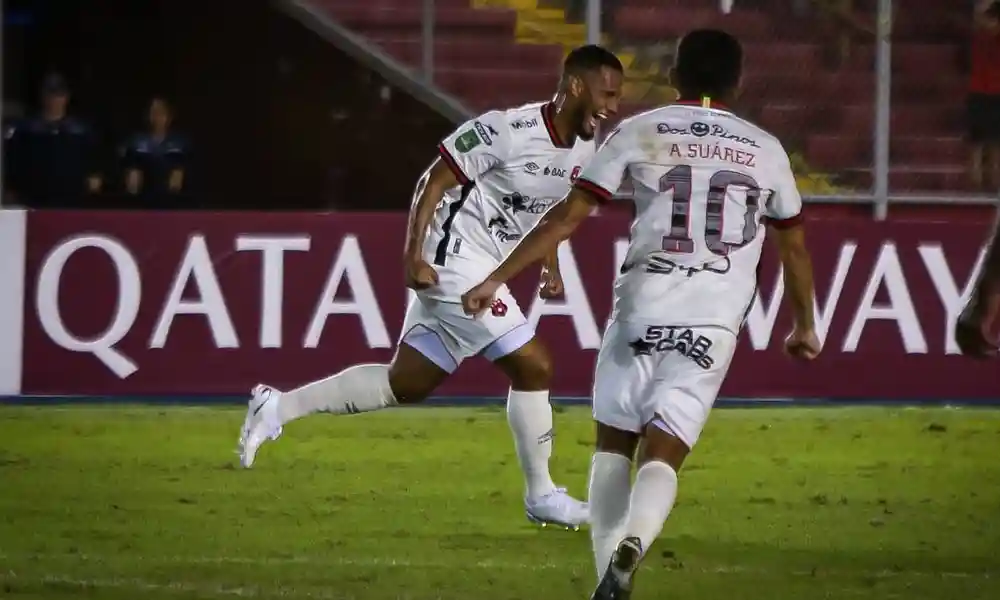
x=283, y=118
x=492, y=53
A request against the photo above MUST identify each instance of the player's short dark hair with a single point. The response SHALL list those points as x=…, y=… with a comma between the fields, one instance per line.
x=590, y=58
x=709, y=62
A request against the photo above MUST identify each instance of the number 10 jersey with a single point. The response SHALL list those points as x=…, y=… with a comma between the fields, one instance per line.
x=705, y=182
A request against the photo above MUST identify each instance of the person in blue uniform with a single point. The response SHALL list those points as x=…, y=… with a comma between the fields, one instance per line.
x=155, y=161
x=52, y=159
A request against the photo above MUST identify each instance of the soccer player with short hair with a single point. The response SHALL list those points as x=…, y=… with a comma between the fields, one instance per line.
x=495, y=177
x=706, y=184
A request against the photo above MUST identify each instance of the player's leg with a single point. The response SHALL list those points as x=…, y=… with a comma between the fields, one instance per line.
x=608, y=486
x=620, y=377
x=504, y=336
x=678, y=404
x=423, y=360
x=529, y=414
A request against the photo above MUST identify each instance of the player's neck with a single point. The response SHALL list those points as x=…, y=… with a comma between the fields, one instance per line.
x=561, y=120
x=723, y=102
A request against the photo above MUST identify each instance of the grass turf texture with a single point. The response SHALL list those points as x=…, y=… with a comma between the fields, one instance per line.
x=139, y=502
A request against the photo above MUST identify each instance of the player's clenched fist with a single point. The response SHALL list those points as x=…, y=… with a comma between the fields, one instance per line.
x=419, y=274
x=480, y=297
x=803, y=344
x=551, y=286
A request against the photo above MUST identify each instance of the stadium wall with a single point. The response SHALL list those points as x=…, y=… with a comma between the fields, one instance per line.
x=141, y=304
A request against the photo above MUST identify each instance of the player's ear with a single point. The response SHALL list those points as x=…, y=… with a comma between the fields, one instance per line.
x=576, y=86
x=672, y=77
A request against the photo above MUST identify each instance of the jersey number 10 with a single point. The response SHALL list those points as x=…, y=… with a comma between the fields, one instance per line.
x=678, y=181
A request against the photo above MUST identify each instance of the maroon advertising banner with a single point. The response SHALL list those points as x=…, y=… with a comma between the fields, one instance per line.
x=212, y=303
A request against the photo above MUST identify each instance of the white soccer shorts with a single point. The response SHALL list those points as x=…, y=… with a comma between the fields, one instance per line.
x=669, y=374
x=443, y=333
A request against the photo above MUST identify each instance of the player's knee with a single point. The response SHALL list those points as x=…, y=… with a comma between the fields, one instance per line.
x=408, y=390
x=534, y=374
x=661, y=443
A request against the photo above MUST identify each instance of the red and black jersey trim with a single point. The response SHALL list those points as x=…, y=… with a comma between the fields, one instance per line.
x=593, y=189
x=450, y=161
x=548, y=113
x=785, y=223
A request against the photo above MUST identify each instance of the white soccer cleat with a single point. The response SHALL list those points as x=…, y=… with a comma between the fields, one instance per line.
x=557, y=508
x=261, y=423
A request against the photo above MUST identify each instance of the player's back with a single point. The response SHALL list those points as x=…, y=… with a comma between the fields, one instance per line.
x=704, y=179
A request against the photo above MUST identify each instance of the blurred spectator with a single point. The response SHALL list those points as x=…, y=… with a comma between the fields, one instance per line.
x=52, y=159
x=842, y=25
x=983, y=103
x=154, y=162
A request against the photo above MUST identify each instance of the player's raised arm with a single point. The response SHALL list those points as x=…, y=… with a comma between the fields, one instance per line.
x=471, y=150
x=597, y=184
x=784, y=214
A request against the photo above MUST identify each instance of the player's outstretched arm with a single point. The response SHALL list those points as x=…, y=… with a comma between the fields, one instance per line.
x=557, y=225
x=972, y=331
x=432, y=186
x=798, y=274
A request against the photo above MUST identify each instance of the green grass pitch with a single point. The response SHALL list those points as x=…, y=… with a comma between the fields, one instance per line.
x=775, y=504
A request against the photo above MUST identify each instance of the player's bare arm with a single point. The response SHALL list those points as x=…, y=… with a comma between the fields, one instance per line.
x=430, y=189
x=798, y=276
x=972, y=331
x=557, y=225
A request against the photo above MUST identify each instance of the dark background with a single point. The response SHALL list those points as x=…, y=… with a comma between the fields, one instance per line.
x=278, y=117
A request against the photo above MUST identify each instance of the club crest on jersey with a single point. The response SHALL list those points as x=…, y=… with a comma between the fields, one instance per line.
x=498, y=308
x=575, y=173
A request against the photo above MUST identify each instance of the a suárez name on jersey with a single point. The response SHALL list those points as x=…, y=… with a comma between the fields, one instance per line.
x=710, y=150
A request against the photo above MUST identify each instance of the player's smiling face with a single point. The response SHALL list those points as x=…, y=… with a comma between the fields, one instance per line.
x=599, y=93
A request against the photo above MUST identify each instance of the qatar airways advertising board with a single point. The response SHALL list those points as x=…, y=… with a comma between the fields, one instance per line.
x=178, y=303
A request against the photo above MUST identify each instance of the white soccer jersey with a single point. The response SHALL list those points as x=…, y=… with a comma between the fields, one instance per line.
x=704, y=182
x=511, y=167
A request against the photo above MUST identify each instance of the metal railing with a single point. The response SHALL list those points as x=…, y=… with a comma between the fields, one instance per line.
x=879, y=191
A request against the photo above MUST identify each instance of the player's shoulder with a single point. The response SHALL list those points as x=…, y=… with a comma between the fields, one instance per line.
x=518, y=121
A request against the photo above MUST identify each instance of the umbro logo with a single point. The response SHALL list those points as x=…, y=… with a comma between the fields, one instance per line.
x=531, y=168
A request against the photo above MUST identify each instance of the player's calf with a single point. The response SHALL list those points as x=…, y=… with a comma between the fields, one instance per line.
x=529, y=368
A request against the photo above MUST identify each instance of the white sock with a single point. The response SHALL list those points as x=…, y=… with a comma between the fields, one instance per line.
x=361, y=388
x=653, y=495
x=530, y=418
x=610, y=478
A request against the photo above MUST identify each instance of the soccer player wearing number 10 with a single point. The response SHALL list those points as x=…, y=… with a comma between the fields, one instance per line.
x=706, y=183
x=494, y=179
